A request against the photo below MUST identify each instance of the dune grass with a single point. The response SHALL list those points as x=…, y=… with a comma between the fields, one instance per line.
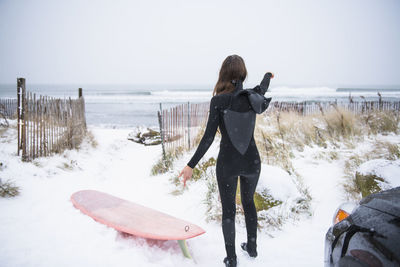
x=280, y=134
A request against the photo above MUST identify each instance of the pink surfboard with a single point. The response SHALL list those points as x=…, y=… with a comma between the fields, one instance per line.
x=135, y=219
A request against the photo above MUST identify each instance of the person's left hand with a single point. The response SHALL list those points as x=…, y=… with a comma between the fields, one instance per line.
x=187, y=174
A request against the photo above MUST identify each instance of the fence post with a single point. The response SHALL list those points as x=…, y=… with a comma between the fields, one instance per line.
x=160, y=123
x=188, y=111
x=82, y=106
x=18, y=113
x=380, y=101
x=23, y=119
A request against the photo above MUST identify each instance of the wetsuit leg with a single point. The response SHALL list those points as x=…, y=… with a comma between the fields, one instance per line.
x=248, y=186
x=227, y=189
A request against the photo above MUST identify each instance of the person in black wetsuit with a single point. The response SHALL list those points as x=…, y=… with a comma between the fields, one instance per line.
x=233, y=109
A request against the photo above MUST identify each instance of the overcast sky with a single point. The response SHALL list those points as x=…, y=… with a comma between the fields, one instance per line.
x=307, y=42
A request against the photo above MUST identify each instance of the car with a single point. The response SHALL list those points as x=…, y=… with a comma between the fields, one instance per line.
x=366, y=234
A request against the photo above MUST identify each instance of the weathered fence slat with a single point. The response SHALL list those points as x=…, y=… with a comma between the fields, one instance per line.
x=18, y=114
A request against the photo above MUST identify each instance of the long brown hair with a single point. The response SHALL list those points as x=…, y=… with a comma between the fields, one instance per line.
x=232, y=69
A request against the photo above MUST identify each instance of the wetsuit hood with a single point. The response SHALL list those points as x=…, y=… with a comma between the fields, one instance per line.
x=258, y=102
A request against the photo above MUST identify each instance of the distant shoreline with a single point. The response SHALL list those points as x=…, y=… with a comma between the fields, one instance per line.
x=367, y=89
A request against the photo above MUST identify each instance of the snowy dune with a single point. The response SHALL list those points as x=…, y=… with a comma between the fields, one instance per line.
x=40, y=227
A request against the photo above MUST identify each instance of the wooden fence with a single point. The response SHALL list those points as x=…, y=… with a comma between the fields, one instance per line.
x=48, y=125
x=358, y=107
x=8, y=108
x=180, y=125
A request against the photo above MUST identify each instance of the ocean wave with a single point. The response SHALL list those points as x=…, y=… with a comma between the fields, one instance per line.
x=369, y=90
x=182, y=93
x=153, y=97
x=122, y=93
x=302, y=90
x=291, y=92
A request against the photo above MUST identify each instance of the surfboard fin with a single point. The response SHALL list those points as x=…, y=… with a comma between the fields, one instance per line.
x=184, y=248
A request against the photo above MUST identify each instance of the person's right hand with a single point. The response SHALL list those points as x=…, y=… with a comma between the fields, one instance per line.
x=271, y=75
x=187, y=174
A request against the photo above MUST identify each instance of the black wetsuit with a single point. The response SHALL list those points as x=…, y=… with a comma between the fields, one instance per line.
x=231, y=163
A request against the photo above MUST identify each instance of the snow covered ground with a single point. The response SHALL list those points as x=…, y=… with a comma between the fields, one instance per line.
x=40, y=227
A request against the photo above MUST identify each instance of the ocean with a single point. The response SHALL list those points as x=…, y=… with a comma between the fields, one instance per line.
x=127, y=106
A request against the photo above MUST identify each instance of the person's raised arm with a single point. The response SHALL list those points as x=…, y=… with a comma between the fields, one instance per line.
x=263, y=87
x=206, y=140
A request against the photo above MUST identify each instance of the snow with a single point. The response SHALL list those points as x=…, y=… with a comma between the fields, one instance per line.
x=386, y=169
x=40, y=227
x=277, y=181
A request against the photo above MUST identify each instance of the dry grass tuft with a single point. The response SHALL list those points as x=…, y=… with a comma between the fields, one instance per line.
x=212, y=200
x=358, y=185
x=383, y=122
x=367, y=184
x=8, y=189
x=163, y=165
x=201, y=169
x=386, y=150
x=91, y=139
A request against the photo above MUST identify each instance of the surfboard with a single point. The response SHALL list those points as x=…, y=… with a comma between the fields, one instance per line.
x=135, y=219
